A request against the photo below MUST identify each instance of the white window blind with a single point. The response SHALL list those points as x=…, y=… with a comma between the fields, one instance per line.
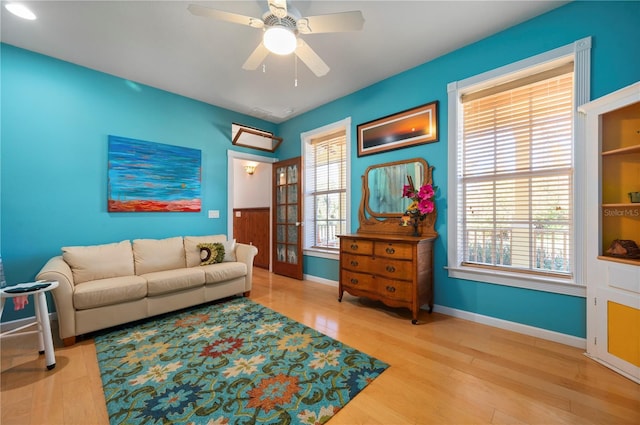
x=515, y=171
x=325, y=190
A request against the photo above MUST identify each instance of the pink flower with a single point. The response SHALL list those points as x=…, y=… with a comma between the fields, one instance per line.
x=407, y=191
x=422, y=199
x=425, y=206
x=426, y=192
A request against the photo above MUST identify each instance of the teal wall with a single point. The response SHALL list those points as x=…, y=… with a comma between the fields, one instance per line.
x=56, y=117
x=615, y=31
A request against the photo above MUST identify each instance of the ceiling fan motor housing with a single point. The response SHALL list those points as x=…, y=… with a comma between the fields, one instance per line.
x=288, y=22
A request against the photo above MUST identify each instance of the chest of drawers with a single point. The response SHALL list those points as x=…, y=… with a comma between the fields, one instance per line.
x=394, y=269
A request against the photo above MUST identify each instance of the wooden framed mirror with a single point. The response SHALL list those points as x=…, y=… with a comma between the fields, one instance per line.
x=382, y=204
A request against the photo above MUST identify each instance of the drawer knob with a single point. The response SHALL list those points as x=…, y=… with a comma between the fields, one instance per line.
x=391, y=269
x=390, y=250
x=391, y=289
x=354, y=246
x=354, y=263
x=354, y=281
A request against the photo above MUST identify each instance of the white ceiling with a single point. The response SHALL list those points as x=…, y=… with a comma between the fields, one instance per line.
x=161, y=44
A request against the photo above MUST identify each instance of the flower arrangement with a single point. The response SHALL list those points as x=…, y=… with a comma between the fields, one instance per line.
x=421, y=206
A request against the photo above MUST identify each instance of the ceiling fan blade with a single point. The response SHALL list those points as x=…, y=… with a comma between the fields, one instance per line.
x=334, y=22
x=207, y=12
x=311, y=59
x=278, y=8
x=256, y=58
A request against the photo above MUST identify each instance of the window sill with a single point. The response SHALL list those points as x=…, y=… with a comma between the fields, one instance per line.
x=517, y=280
x=321, y=253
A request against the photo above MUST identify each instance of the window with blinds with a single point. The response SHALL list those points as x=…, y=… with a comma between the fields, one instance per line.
x=325, y=203
x=515, y=175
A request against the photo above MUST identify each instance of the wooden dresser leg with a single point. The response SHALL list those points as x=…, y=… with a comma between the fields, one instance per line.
x=68, y=342
x=246, y=294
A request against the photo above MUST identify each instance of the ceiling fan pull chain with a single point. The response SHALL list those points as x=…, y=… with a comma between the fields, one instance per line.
x=264, y=68
x=295, y=70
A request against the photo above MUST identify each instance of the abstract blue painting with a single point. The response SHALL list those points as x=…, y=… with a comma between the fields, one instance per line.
x=150, y=177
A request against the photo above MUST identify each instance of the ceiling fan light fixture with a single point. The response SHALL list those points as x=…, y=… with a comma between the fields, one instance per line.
x=280, y=40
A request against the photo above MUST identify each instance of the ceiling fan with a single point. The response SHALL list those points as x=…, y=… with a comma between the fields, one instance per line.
x=282, y=24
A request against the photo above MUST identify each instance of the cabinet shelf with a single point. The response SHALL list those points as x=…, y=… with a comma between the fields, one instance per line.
x=631, y=261
x=622, y=205
x=620, y=151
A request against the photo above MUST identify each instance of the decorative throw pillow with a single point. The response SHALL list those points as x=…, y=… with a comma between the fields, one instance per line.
x=191, y=250
x=211, y=253
x=229, y=250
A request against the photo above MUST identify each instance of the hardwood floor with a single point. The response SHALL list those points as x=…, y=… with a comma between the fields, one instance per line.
x=442, y=371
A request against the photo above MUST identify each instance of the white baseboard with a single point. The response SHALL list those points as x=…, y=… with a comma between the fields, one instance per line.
x=570, y=340
x=322, y=280
x=14, y=324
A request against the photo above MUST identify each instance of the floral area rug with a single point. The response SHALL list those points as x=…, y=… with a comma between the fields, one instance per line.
x=236, y=362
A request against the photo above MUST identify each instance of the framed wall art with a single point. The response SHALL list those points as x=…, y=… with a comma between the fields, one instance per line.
x=407, y=128
x=152, y=177
x=249, y=137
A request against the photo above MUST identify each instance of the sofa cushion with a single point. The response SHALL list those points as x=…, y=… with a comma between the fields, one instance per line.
x=224, y=271
x=173, y=280
x=115, y=290
x=191, y=249
x=155, y=255
x=99, y=261
x=229, y=250
x=211, y=253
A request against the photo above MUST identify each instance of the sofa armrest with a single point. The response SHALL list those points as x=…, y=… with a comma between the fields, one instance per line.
x=245, y=254
x=57, y=269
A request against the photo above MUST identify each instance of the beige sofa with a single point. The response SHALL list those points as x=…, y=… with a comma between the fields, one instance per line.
x=106, y=285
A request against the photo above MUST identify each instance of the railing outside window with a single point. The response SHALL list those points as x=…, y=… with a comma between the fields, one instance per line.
x=326, y=234
x=549, y=251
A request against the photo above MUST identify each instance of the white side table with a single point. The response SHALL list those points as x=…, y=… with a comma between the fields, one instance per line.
x=42, y=318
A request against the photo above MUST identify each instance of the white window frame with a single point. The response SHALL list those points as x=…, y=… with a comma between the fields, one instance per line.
x=306, y=138
x=580, y=52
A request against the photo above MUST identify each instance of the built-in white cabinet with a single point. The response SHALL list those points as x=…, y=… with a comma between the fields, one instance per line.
x=612, y=227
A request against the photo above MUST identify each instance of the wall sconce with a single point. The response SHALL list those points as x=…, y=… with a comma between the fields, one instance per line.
x=250, y=169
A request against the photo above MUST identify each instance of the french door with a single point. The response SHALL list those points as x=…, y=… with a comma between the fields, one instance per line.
x=287, y=219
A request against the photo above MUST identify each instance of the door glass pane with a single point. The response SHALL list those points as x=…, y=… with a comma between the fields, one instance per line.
x=282, y=176
x=280, y=198
x=292, y=194
x=280, y=233
x=292, y=174
x=292, y=255
x=292, y=233
x=292, y=213
x=281, y=252
x=281, y=214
